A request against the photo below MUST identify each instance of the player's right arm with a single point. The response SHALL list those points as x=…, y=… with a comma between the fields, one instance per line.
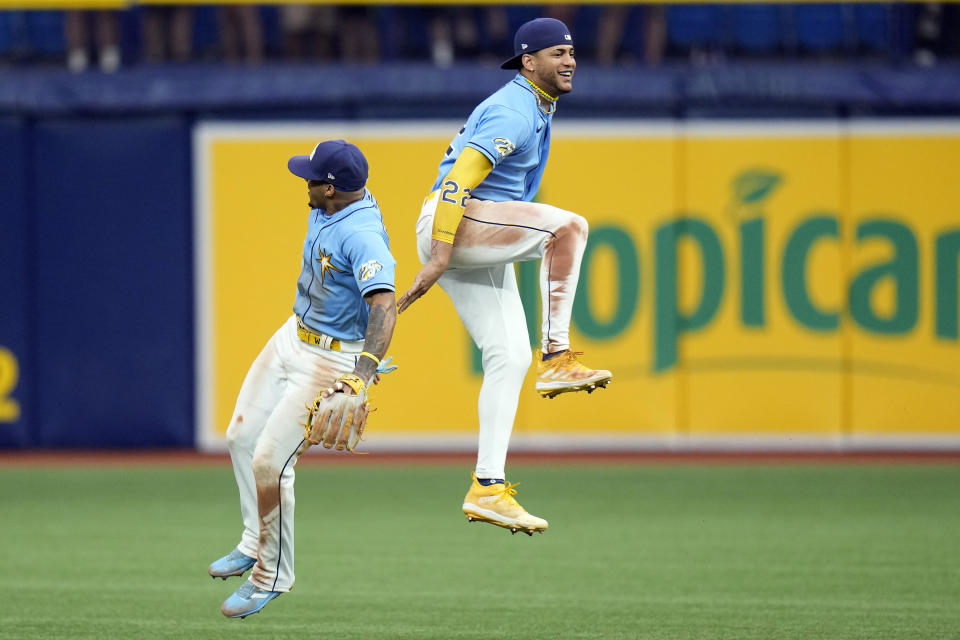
x=469, y=170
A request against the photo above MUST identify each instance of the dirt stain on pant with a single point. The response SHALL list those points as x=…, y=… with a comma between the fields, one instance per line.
x=560, y=271
x=268, y=506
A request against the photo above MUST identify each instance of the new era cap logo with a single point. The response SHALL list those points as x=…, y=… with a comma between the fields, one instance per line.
x=524, y=46
x=567, y=37
x=330, y=176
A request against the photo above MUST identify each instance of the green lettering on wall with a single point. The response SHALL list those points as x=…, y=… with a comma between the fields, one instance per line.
x=627, y=276
x=751, y=273
x=794, y=273
x=903, y=268
x=948, y=249
x=669, y=321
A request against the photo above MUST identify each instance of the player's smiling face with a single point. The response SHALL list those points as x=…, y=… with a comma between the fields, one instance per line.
x=552, y=68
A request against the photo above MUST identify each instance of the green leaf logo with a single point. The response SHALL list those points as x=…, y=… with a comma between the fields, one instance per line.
x=750, y=189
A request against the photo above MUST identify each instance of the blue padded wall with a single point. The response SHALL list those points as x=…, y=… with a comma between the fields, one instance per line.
x=113, y=273
x=16, y=359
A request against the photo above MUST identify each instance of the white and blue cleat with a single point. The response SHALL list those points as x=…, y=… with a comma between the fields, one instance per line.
x=232, y=564
x=247, y=600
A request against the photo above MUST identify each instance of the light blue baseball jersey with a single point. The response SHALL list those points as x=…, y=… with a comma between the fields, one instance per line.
x=511, y=130
x=346, y=255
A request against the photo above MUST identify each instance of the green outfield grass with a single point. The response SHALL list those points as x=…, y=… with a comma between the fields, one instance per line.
x=656, y=551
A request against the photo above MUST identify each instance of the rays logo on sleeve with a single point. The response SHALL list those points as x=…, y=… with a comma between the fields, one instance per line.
x=503, y=146
x=326, y=264
x=369, y=269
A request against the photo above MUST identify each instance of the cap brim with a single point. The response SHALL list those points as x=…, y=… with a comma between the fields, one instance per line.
x=513, y=63
x=300, y=166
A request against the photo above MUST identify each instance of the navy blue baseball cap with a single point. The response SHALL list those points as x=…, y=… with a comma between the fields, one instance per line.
x=335, y=161
x=537, y=34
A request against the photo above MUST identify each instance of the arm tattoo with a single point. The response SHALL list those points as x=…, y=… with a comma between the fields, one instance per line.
x=383, y=318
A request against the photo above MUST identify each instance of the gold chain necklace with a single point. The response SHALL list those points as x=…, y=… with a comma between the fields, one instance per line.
x=541, y=91
x=549, y=108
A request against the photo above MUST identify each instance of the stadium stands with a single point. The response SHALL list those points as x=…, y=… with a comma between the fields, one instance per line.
x=45, y=32
x=696, y=27
x=822, y=28
x=6, y=33
x=873, y=27
x=839, y=30
x=758, y=29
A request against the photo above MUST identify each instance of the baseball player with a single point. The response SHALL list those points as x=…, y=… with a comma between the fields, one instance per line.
x=343, y=320
x=476, y=222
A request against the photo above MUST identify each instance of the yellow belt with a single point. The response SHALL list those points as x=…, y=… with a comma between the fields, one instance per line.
x=317, y=339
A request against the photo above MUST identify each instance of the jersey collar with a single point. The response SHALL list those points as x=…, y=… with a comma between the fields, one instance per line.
x=367, y=197
x=522, y=82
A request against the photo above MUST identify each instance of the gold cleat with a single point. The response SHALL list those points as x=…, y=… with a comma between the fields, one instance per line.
x=564, y=374
x=495, y=504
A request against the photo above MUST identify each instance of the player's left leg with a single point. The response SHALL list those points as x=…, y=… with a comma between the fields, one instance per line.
x=488, y=303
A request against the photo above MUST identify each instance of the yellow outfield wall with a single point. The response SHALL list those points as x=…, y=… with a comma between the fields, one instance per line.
x=782, y=285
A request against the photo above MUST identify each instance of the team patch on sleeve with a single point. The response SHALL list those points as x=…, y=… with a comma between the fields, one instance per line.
x=503, y=146
x=369, y=269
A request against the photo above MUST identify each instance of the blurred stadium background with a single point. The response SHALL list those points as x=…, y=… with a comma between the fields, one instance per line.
x=773, y=268
x=771, y=186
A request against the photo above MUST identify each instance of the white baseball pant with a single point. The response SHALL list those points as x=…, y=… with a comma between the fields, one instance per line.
x=265, y=438
x=481, y=282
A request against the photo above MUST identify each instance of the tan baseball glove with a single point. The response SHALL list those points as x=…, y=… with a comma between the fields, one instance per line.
x=338, y=415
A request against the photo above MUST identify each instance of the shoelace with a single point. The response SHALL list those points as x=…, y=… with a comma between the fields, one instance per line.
x=572, y=359
x=509, y=491
x=247, y=589
x=568, y=358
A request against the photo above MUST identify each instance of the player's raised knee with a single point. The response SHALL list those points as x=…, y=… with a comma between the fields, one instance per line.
x=578, y=225
x=575, y=226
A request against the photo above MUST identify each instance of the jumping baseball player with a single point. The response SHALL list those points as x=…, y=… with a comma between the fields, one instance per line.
x=476, y=222
x=344, y=315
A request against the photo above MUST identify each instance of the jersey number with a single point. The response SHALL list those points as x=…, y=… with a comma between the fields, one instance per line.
x=451, y=189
